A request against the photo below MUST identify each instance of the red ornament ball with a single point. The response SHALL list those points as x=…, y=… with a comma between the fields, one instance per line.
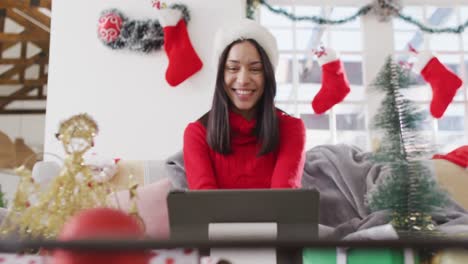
x=109, y=27
x=101, y=223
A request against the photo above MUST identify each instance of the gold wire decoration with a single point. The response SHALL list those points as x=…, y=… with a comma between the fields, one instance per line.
x=133, y=194
x=42, y=215
x=21, y=202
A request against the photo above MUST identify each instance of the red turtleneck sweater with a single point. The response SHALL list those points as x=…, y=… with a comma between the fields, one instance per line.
x=242, y=169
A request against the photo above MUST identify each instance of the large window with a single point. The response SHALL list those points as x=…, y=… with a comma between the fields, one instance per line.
x=299, y=75
x=449, y=131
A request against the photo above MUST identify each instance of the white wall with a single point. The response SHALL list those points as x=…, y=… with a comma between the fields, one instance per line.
x=28, y=127
x=139, y=115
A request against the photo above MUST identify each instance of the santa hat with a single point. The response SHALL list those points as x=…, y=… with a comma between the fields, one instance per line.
x=458, y=156
x=246, y=29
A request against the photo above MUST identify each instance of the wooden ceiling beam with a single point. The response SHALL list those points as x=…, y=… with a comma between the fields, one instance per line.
x=22, y=111
x=44, y=45
x=45, y=3
x=26, y=3
x=27, y=82
x=36, y=60
x=22, y=91
x=2, y=28
x=18, y=67
x=24, y=98
x=30, y=36
x=37, y=15
x=29, y=25
x=29, y=15
x=7, y=45
x=22, y=71
x=42, y=74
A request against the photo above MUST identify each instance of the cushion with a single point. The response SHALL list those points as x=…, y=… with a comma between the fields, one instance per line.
x=458, y=156
x=176, y=171
x=125, y=168
x=453, y=178
x=144, y=172
x=152, y=206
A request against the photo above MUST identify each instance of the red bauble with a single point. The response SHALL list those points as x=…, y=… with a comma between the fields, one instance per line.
x=101, y=223
x=109, y=27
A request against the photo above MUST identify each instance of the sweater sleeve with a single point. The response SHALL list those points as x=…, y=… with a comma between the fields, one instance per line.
x=198, y=165
x=291, y=155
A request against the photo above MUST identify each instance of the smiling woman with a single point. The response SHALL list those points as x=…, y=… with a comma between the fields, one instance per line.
x=244, y=141
x=244, y=78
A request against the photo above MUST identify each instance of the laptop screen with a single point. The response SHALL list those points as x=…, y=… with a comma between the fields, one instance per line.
x=293, y=213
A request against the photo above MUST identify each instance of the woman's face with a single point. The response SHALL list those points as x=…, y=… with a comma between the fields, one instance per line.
x=244, y=78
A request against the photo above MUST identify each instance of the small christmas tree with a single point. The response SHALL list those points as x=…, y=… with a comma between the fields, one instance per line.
x=408, y=190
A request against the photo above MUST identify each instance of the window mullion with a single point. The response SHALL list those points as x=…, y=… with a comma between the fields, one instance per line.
x=295, y=68
x=464, y=77
x=374, y=55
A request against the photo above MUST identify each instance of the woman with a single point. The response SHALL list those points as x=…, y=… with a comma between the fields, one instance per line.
x=244, y=141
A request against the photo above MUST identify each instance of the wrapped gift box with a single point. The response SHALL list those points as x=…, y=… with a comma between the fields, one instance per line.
x=163, y=256
x=175, y=256
x=354, y=256
x=375, y=256
x=319, y=256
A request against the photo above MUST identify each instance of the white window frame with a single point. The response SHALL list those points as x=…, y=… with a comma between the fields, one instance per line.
x=373, y=56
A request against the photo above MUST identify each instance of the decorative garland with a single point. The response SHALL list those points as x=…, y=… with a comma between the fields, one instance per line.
x=385, y=9
x=457, y=30
x=317, y=19
x=116, y=31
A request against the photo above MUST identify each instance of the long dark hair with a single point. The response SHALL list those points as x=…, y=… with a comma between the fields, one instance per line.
x=216, y=120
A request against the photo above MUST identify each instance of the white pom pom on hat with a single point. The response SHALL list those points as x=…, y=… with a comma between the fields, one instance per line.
x=246, y=29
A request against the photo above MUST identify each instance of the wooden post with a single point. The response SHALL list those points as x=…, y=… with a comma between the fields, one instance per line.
x=2, y=27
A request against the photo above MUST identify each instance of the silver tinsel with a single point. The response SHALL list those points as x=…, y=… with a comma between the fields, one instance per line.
x=386, y=9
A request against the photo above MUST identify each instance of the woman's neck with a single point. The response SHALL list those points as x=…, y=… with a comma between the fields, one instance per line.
x=247, y=114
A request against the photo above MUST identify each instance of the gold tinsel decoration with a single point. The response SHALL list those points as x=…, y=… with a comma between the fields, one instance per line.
x=417, y=221
x=448, y=256
x=133, y=193
x=42, y=215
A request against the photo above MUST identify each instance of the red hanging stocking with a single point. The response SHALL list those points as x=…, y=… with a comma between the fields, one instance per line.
x=443, y=81
x=183, y=60
x=335, y=84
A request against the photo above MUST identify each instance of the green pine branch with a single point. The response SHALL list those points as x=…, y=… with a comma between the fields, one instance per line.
x=3, y=200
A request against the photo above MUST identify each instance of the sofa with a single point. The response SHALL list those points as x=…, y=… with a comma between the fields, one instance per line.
x=157, y=178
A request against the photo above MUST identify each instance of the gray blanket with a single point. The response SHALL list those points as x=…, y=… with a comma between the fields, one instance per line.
x=344, y=176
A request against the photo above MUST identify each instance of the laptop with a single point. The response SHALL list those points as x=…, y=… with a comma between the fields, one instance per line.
x=276, y=214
